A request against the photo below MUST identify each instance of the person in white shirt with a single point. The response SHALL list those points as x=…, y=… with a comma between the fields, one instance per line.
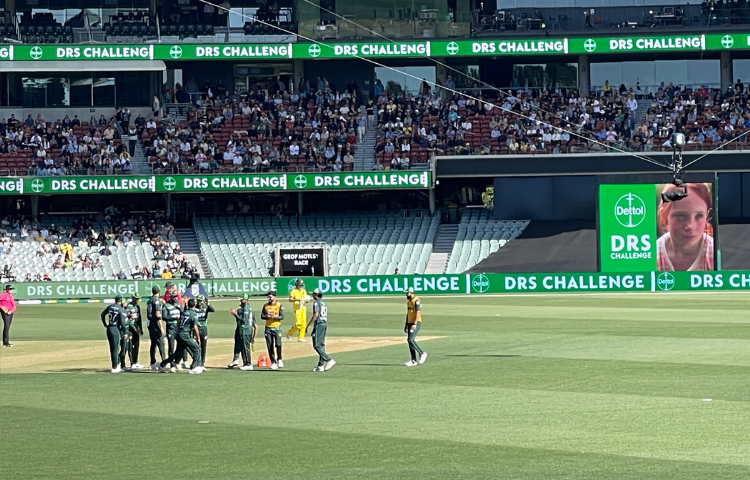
x=294, y=149
x=229, y=155
x=632, y=104
x=396, y=162
x=151, y=124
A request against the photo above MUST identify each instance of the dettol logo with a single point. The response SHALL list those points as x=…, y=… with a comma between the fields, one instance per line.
x=630, y=210
x=665, y=281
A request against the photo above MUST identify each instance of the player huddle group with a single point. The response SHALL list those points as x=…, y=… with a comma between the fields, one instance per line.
x=184, y=326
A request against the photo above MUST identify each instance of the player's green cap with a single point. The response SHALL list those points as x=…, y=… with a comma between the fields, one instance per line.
x=246, y=296
x=137, y=296
x=410, y=290
x=317, y=291
x=118, y=298
x=200, y=297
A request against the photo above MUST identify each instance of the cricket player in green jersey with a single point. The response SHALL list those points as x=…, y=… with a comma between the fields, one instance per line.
x=202, y=309
x=115, y=320
x=319, y=324
x=170, y=313
x=136, y=330
x=187, y=330
x=244, y=333
x=155, y=325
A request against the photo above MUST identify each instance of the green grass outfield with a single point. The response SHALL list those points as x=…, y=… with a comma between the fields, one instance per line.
x=534, y=387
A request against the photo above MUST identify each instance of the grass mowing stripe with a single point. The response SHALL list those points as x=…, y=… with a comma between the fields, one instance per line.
x=229, y=451
x=603, y=423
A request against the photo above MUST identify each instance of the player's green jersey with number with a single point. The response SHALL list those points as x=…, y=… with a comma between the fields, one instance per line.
x=170, y=313
x=319, y=307
x=116, y=317
x=188, y=322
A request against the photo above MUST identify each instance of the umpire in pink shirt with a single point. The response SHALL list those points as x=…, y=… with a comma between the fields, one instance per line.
x=7, y=308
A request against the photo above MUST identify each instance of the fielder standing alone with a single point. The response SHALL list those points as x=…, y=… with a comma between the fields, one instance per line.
x=413, y=324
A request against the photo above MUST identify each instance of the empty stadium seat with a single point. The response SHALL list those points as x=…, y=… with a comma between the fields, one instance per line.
x=479, y=235
x=356, y=243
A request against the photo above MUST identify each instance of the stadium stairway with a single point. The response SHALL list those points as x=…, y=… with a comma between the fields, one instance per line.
x=442, y=248
x=140, y=162
x=364, y=157
x=643, y=105
x=191, y=249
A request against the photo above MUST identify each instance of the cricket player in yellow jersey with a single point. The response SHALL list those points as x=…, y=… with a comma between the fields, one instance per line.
x=273, y=314
x=412, y=326
x=298, y=297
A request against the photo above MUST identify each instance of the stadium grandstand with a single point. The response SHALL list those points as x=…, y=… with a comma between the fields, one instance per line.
x=456, y=98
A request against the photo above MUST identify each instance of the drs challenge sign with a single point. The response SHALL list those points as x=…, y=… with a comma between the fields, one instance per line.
x=627, y=228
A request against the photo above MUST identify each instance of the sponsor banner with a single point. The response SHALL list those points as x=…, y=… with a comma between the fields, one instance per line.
x=379, y=284
x=459, y=48
x=682, y=43
x=216, y=183
x=83, y=52
x=455, y=284
x=627, y=228
x=260, y=51
x=238, y=286
x=368, y=50
x=560, y=282
x=101, y=289
x=93, y=184
x=396, y=49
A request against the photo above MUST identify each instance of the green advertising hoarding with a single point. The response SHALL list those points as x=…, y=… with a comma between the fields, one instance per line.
x=686, y=42
x=110, y=288
x=394, y=49
x=627, y=228
x=232, y=51
x=448, y=284
x=217, y=183
x=381, y=284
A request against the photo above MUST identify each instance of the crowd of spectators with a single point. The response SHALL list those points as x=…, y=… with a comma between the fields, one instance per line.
x=317, y=127
x=551, y=119
x=65, y=146
x=88, y=238
x=268, y=128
